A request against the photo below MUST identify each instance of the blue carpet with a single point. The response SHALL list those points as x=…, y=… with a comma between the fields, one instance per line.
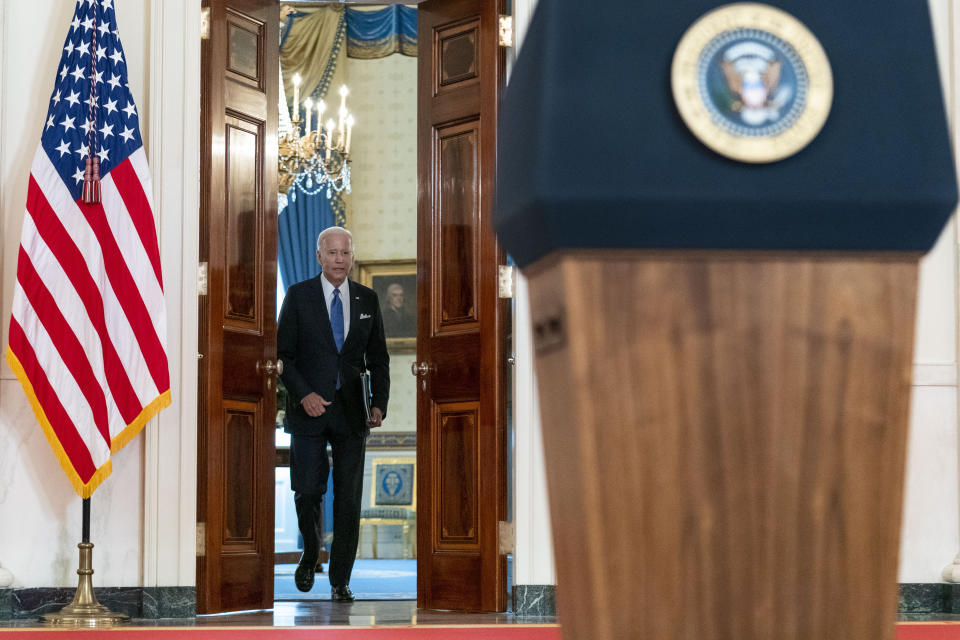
x=371, y=580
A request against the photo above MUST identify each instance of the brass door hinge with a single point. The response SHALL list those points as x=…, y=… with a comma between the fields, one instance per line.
x=205, y=23
x=507, y=537
x=505, y=282
x=506, y=31
x=201, y=539
x=202, y=279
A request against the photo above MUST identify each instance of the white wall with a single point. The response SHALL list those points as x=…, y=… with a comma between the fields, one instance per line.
x=931, y=517
x=533, y=561
x=40, y=514
x=143, y=515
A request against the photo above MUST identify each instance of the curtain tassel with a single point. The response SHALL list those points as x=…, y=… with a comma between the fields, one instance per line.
x=91, y=181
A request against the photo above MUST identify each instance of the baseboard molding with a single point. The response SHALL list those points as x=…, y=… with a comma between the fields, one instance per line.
x=929, y=597
x=387, y=440
x=535, y=600
x=136, y=602
x=528, y=600
x=918, y=597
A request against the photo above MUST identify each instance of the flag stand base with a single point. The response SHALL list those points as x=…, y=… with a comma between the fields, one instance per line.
x=85, y=611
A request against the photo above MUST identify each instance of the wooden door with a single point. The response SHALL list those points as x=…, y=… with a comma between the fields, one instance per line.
x=461, y=414
x=238, y=223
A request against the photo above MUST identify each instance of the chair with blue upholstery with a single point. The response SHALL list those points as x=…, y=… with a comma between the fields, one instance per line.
x=393, y=501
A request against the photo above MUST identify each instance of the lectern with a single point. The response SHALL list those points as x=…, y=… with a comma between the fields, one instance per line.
x=720, y=210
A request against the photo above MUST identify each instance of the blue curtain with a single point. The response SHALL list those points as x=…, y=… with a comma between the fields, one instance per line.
x=298, y=225
x=378, y=34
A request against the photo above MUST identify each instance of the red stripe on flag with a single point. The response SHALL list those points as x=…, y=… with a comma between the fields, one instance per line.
x=64, y=341
x=60, y=423
x=58, y=241
x=131, y=191
x=129, y=296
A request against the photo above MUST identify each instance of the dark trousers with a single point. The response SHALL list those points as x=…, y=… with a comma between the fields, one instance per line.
x=309, y=469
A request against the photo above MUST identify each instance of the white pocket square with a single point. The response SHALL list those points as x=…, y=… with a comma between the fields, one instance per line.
x=364, y=316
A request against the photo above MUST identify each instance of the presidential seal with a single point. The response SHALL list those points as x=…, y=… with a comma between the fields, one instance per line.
x=752, y=82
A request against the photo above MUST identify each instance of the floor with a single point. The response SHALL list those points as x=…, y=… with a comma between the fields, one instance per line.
x=371, y=580
x=362, y=613
x=400, y=615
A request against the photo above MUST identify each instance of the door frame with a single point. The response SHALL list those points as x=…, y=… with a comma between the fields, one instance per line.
x=173, y=147
x=172, y=141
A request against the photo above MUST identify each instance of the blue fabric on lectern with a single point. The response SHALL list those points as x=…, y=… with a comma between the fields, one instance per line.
x=592, y=152
x=298, y=226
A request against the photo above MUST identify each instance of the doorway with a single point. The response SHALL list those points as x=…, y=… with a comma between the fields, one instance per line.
x=381, y=212
x=457, y=435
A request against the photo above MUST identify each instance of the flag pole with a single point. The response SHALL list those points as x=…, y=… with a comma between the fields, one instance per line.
x=85, y=611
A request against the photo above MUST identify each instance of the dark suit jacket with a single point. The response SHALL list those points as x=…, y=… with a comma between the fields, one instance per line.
x=311, y=362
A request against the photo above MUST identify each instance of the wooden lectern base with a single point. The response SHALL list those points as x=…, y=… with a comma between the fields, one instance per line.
x=725, y=441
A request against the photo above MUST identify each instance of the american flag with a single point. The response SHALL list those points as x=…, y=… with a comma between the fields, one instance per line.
x=89, y=325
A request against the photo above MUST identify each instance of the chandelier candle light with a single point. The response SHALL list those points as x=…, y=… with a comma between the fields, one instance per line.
x=320, y=158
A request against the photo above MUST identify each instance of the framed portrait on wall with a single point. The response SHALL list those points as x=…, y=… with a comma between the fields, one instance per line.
x=395, y=282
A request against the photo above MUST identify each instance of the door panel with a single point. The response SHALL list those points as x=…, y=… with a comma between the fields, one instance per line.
x=461, y=404
x=238, y=231
x=457, y=456
x=458, y=150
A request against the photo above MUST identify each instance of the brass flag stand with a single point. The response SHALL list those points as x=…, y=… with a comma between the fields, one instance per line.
x=85, y=611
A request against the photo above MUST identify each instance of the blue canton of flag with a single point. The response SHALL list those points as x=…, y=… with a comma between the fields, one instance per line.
x=66, y=134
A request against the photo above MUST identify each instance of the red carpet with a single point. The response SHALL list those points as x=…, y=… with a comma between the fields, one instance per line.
x=928, y=631
x=905, y=631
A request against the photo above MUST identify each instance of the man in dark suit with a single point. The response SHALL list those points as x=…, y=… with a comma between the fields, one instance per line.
x=329, y=326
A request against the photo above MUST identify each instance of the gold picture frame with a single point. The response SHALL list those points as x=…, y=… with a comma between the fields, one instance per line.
x=400, y=326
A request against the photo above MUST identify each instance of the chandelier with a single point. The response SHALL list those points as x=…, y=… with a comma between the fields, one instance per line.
x=320, y=158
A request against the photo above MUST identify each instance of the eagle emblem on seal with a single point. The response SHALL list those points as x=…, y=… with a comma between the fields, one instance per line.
x=752, y=73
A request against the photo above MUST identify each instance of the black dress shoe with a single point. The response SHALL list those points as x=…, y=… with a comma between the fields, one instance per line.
x=341, y=594
x=303, y=576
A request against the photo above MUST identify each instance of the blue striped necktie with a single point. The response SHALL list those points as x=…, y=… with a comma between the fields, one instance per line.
x=336, y=319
